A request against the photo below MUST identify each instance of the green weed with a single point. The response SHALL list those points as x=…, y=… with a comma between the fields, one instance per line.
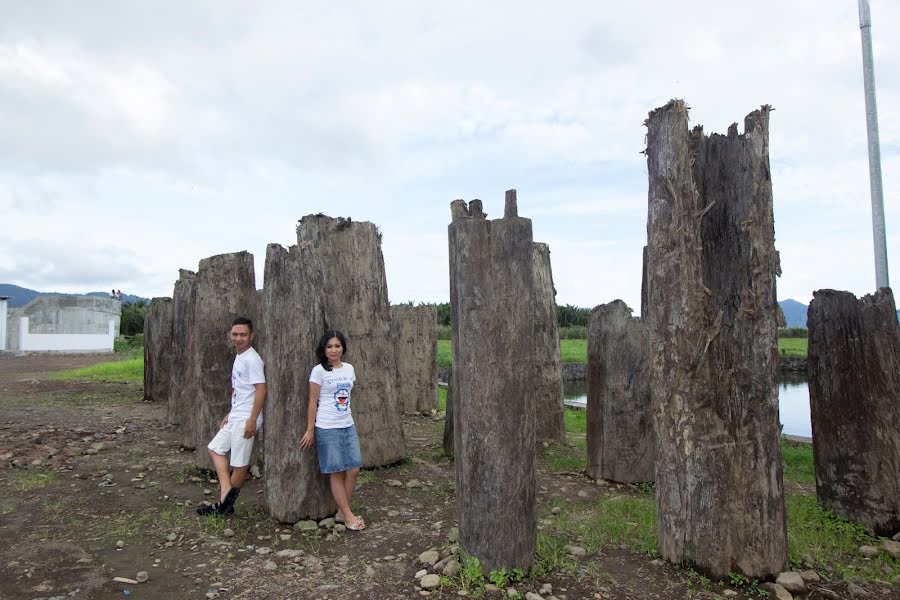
x=130, y=370
x=34, y=480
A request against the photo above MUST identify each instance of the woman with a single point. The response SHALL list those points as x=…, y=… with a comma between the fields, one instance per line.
x=330, y=423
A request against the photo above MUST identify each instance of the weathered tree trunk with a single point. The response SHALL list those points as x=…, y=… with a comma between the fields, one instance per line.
x=447, y=442
x=224, y=288
x=548, y=385
x=620, y=440
x=644, y=285
x=355, y=301
x=181, y=300
x=713, y=337
x=414, y=330
x=294, y=321
x=158, y=350
x=492, y=280
x=854, y=397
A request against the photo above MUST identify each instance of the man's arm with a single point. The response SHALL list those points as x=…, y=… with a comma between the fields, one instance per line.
x=259, y=399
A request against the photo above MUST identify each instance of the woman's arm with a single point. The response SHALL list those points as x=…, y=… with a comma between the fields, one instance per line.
x=310, y=436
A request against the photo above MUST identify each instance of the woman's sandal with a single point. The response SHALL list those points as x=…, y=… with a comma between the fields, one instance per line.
x=358, y=526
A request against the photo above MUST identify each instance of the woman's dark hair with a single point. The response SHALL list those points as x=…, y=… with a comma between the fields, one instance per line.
x=320, y=351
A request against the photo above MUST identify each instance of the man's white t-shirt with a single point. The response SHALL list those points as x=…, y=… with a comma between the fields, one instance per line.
x=334, y=396
x=246, y=372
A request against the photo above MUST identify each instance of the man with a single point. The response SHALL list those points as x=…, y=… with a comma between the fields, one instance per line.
x=239, y=427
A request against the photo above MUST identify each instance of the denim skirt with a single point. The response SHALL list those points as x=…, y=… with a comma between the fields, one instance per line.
x=338, y=449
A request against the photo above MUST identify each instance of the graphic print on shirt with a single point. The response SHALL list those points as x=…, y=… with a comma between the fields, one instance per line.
x=342, y=399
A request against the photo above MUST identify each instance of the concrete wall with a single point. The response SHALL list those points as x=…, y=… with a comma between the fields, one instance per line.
x=3, y=315
x=67, y=315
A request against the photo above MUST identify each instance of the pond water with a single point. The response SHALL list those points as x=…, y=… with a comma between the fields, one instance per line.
x=793, y=401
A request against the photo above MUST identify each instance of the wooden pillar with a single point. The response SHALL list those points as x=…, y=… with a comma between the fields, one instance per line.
x=414, y=330
x=355, y=301
x=620, y=440
x=854, y=397
x=181, y=299
x=713, y=345
x=158, y=350
x=492, y=283
x=294, y=319
x=548, y=384
x=224, y=288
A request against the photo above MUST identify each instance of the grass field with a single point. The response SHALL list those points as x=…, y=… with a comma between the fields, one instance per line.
x=575, y=351
x=131, y=369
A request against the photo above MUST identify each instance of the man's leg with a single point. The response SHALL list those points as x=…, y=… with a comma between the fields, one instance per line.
x=238, y=476
x=222, y=472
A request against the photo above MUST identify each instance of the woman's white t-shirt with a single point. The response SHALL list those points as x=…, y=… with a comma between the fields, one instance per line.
x=334, y=396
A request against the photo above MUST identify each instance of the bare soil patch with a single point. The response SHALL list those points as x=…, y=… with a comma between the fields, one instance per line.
x=84, y=466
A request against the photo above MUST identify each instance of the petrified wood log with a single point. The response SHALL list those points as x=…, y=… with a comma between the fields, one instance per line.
x=355, y=301
x=294, y=318
x=158, y=350
x=854, y=397
x=711, y=316
x=414, y=331
x=181, y=298
x=224, y=288
x=492, y=281
x=620, y=440
x=548, y=386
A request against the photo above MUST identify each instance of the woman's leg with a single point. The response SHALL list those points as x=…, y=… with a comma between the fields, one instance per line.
x=350, y=482
x=339, y=493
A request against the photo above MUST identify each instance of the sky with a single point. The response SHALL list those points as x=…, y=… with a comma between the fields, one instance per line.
x=137, y=138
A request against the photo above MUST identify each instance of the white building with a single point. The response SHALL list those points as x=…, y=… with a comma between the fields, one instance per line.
x=61, y=323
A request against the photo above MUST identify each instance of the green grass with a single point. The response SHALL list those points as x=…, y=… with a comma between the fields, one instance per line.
x=34, y=480
x=442, y=398
x=798, y=462
x=793, y=347
x=130, y=370
x=576, y=420
x=571, y=351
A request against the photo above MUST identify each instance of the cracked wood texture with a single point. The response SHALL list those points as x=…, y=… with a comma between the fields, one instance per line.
x=158, y=350
x=548, y=384
x=224, y=289
x=294, y=318
x=414, y=331
x=180, y=301
x=354, y=298
x=491, y=275
x=854, y=397
x=711, y=317
x=620, y=440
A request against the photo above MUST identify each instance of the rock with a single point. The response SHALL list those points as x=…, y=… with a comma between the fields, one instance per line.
x=512, y=592
x=394, y=483
x=533, y=596
x=896, y=537
x=270, y=565
x=306, y=525
x=125, y=580
x=120, y=544
x=289, y=553
x=729, y=593
x=868, y=551
x=327, y=523
x=776, y=591
x=556, y=510
x=413, y=483
x=430, y=581
x=142, y=576
x=393, y=513
x=891, y=547
x=340, y=528
x=576, y=550
x=255, y=472
x=369, y=571
x=285, y=537
x=546, y=589
x=172, y=537
x=263, y=550
x=421, y=574
x=452, y=569
x=429, y=557
x=856, y=591
x=453, y=535
x=792, y=582
x=227, y=532
x=810, y=576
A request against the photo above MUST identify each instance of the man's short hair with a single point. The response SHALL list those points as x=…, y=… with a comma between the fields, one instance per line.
x=243, y=321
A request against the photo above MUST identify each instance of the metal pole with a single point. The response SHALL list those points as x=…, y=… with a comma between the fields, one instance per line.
x=878, y=233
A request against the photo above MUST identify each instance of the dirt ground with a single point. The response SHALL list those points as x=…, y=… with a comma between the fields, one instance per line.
x=94, y=486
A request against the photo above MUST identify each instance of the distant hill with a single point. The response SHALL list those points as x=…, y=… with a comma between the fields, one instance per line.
x=794, y=312
x=19, y=296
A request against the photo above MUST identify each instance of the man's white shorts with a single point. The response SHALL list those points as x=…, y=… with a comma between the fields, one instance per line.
x=231, y=439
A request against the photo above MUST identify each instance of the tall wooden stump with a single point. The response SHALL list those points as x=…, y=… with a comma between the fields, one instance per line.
x=414, y=330
x=181, y=297
x=294, y=320
x=355, y=301
x=492, y=281
x=548, y=385
x=224, y=288
x=854, y=396
x=158, y=350
x=712, y=323
x=620, y=440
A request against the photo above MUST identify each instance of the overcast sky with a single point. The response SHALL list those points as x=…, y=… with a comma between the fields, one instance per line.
x=137, y=138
